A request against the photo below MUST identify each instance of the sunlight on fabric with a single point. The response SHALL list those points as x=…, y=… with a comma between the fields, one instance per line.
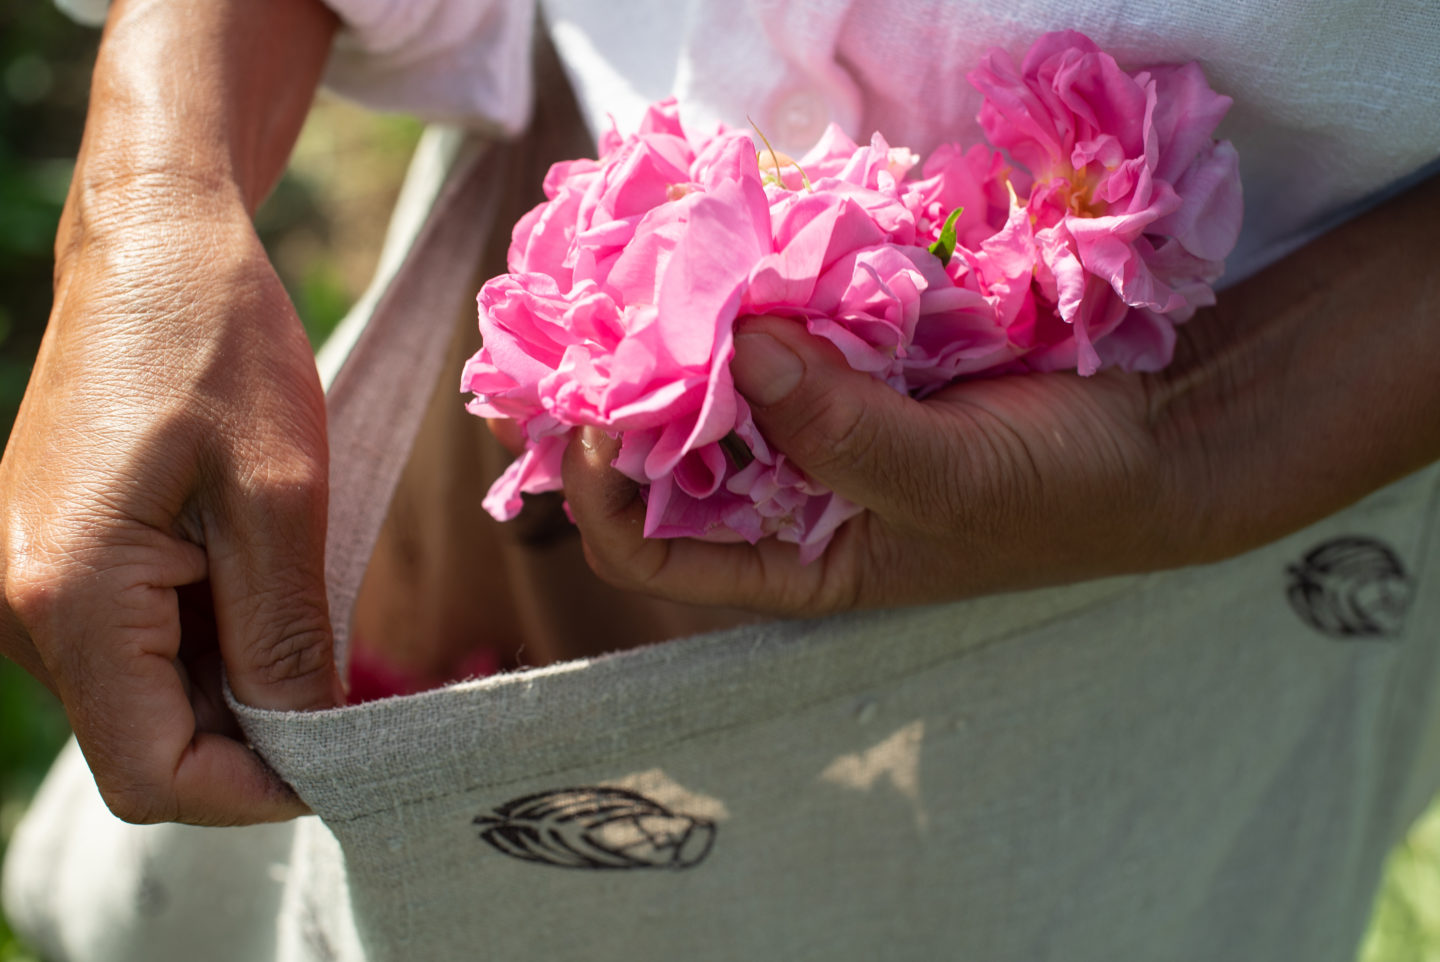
x=895, y=760
x=661, y=788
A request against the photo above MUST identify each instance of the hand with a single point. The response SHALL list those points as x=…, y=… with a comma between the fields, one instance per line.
x=168, y=468
x=164, y=488
x=1315, y=372
x=959, y=489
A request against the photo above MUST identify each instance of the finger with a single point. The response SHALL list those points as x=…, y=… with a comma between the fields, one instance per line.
x=846, y=429
x=15, y=644
x=201, y=670
x=221, y=782
x=508, y=433
x=267, y=576
x=610, y=512
x=174, y=772
x=112, y=638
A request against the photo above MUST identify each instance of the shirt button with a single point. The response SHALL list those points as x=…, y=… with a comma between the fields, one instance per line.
x=799, y=118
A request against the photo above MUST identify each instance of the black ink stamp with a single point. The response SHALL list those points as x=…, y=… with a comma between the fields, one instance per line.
x=597, y=828
x=1351, y=587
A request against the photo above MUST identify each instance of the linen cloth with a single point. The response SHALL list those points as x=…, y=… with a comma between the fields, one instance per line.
x=1195, y=765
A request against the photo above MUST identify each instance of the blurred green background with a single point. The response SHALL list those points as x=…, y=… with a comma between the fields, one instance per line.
x=323, y=226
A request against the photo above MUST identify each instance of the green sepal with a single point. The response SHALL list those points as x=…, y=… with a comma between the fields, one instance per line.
x=944, y=247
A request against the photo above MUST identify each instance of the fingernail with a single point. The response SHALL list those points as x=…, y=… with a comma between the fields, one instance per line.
x=764, y=369
x=595, y=443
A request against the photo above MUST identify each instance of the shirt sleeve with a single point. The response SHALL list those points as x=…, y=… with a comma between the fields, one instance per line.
x=457, y=60
x=465, y=61
x=89, y=12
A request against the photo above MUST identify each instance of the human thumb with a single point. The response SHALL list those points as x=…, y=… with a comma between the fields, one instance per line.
x=844, y=428
x=267, y=578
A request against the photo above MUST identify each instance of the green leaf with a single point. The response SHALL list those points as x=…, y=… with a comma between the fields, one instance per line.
x=944, y=248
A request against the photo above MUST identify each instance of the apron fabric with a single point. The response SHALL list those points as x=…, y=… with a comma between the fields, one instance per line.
x=1204, y=764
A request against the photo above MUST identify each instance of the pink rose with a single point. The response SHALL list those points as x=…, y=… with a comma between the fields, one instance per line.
x=644, y=343
x=1124, y=168
x=973, y=181
x=625, y=286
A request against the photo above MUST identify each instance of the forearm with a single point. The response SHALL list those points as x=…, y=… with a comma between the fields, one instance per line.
x=202, y=100
x=1311, y=384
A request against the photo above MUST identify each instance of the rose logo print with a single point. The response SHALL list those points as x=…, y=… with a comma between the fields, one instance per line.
x=597, y=828
x=1351, y=587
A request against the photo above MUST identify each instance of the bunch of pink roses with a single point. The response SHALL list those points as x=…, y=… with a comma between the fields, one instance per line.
x=1105, y=227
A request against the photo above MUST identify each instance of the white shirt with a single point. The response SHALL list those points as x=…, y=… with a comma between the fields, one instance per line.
x=1334, y=100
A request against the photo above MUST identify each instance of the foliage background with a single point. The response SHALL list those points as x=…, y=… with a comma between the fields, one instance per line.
x=323, y=226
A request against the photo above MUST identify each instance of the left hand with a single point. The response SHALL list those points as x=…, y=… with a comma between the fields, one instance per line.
x=1011, y=482
x=1307, y=387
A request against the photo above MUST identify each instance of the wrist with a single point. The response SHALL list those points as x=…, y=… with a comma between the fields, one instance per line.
x=207, y=96
x=1308, y=386
x=128, y=224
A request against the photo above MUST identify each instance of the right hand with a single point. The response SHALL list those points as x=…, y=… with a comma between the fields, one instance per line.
x=163, y=493
x=164, y=502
